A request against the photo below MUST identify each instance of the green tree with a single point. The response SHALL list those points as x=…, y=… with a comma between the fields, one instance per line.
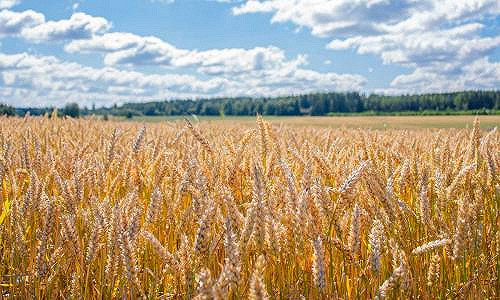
x=72, y=109
x=7, y=110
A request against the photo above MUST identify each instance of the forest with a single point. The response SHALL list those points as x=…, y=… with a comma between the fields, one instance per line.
x=315, y=104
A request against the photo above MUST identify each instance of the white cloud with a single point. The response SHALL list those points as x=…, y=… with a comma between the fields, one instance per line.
x=438, y=39
x=236, y=61
x=327, y=18
x=110, y=42
x=253, y=6
x=129, y=49
x=32, y=26
x=12, y=23
x=30, y=80
x=8, y=3
x=260, y=70
x=46, y=79
x=78, y=26
x=368, y=17
x=416, y=49
x=479, y=74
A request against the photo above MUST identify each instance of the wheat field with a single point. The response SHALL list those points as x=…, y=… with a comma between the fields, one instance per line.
x=180, y=210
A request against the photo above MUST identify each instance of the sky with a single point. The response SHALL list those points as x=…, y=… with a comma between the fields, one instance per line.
x=102, y=52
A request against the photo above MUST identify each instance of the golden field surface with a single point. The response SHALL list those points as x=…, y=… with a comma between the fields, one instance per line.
x=223, y=210
x=375, y=122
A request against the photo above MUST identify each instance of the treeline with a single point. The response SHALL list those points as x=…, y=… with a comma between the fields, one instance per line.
x=70, y=109
x=317, y=104
x=7, y=110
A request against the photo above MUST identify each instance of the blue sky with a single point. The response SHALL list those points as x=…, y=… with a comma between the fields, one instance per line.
x=110, y=51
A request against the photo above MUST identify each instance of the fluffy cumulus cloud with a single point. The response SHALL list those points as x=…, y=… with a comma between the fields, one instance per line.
x=32, y=26
x=8, y=3
x=440, y=40
x=255, y=71
x=30, y=79
x=123, y=48
x=49, y=78
x=128, y=49
x=479, y=74
x=13, y=23
x=78, y=26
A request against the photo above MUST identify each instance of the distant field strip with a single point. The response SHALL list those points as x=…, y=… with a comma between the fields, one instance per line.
x=377, y=122
x=278, y=208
